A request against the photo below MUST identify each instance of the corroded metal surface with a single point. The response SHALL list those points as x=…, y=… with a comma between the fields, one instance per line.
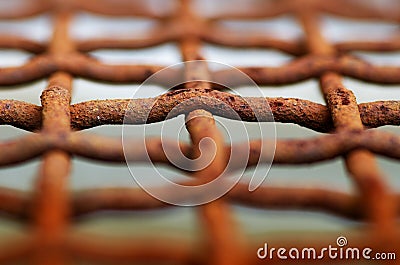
x=51, y=207
x=94, y=113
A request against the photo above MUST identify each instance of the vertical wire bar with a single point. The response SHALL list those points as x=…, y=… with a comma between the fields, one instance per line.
x=222, y=235
x=224, y=243
x=190, y=46
x=51, y=196
x=361, y=164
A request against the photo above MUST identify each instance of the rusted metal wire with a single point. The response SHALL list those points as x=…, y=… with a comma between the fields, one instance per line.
x=344, y=111
x=18, y=204
x=298, y=70
x=51, y=207
x=287, y=151
x=94, y=113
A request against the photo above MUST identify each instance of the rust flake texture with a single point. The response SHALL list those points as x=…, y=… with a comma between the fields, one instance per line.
x=348, y=127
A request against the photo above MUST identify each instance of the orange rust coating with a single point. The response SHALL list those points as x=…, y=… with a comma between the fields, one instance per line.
x=266, y=10
x=51, y=204
x=201, y=126
x=18, y=203
x=51, y=209
x=223, y=240
x=184, y=25
x=290, y=151
x=94, y=113
x=360, y=164
x=309, y=66
x=316, y=59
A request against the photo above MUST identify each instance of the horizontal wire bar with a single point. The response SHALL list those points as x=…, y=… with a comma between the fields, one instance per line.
x=217, y=36
x=295, y=151
x=21, y=43
x=264, y=10
x=372, y=46
x=309, y=66
x=17, y=203
x=119, y=9
x=312, y=66
x=311, y=199
x=94, y=113
x=157, y=36
x=90, y=247
x=29, y=9
x=15, y=249
x=98, y=248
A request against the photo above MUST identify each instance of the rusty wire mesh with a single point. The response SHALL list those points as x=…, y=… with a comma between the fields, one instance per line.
x=50, y=207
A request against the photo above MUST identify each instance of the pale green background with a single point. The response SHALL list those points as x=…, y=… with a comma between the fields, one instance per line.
x=183, y=222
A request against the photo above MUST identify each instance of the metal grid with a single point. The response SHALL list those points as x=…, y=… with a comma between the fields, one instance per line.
x=51, y=207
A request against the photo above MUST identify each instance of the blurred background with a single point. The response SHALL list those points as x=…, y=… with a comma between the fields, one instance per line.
x=182, y=222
